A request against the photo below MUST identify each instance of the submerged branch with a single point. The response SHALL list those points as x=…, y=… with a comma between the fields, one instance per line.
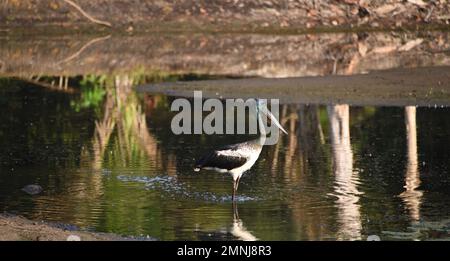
x=76, y=54
x=66, y=89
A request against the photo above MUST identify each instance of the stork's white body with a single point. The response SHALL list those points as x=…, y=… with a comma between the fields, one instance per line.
x=252, y=156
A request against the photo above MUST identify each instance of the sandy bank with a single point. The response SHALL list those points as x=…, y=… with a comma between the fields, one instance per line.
x=16, y=228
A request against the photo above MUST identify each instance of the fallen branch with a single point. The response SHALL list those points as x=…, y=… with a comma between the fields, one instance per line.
x=92, y=19
x=419, y=3
x=430, y=12
x=443, y=17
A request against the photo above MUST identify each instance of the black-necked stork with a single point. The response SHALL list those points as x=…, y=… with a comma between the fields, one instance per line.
x=238, y=158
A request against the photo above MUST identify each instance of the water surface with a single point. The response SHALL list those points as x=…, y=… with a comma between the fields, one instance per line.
x=108, y=162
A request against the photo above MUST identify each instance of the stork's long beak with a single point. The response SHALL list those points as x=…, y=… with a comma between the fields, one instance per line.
x=274, y=120
x=266, y=111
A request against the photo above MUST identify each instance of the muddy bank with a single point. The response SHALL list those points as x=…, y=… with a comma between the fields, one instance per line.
x=16, y=228
x=401, y=87
x=224, y=15
x=223, y=54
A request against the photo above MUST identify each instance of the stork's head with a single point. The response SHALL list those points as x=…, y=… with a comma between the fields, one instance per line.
x=261, y=106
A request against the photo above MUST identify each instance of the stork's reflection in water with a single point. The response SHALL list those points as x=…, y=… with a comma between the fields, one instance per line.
x=235, y=230
x=238, y=230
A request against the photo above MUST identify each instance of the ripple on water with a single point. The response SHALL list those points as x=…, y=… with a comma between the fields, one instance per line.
x=175, y=190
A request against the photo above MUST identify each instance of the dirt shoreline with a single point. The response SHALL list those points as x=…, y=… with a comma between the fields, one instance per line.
x=17, y=228
x=224, y=15
x=426, y=86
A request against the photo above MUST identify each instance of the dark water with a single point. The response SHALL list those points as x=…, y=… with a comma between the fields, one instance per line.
x=108, y=161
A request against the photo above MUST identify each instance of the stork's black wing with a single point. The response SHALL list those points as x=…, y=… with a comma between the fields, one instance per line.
x=227, y=159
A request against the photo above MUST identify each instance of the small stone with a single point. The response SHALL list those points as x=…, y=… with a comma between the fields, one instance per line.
x=284, y=24
x=373, y=238
x=73, y=238
x=312, y=12
x=32, y=189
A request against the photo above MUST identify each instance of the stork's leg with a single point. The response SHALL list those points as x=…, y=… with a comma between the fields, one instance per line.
x=234, y=190
x=237, y=182
x=235, y=211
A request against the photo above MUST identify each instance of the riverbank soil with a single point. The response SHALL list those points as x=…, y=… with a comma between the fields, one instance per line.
x=225, y=15
x=16, y=228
